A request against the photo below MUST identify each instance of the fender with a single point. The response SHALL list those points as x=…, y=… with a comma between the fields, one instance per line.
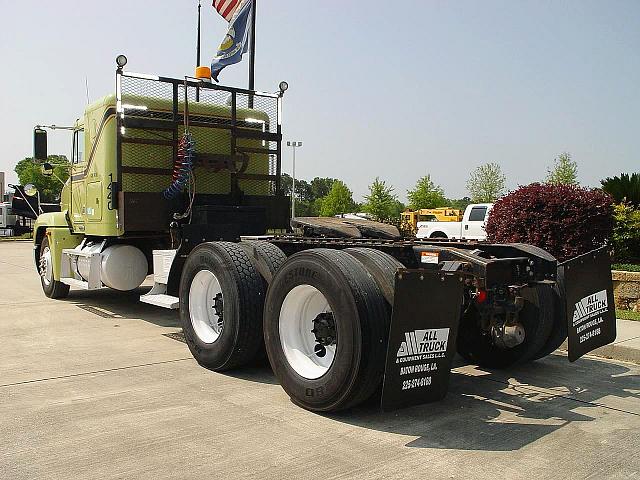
x=55, y=226
x=51, y=219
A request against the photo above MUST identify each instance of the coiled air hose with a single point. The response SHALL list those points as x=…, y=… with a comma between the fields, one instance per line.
x=183, y=166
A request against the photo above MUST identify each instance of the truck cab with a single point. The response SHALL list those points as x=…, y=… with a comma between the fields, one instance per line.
x=472, y=226
x=7, y=220
x=152, y=166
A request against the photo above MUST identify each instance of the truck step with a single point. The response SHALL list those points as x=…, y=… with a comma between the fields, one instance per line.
x=74, y=282
x=161, y=300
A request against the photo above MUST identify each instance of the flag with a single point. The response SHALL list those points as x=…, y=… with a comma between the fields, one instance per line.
x=236, y=41
x=226, y=8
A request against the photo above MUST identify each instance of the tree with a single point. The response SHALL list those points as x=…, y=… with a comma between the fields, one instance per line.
x=460, y=203
x=626, y=233
x=486, y=183
x=320, y=187
x=49, y=187
x=339, y=200
x=624, y=188
x=381, y=202
x=398, y=208
x=304, y=197
x=426, y=194
x=564, y=171
x=286, y=181
x=303, y=188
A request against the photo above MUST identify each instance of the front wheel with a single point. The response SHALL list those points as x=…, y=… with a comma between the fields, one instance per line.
x=51, y=287
x=325, y=330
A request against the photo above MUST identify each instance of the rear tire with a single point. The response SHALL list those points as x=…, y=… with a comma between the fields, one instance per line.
x=51, y=287
x=559, y=330
x=381, y=266
x=266, y=257
x=536, y=317
x=221, y=302
x=330, y=286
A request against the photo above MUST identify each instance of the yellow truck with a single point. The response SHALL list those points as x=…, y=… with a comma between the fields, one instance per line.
x=410, y=218
x=181, y=178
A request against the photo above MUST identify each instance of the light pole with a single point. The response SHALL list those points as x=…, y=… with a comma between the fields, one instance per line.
x=293, y=145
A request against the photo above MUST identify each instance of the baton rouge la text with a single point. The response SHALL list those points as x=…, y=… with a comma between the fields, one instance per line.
x=421, y=367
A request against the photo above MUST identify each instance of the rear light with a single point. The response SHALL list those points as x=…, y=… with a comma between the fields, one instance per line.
x=481, y=296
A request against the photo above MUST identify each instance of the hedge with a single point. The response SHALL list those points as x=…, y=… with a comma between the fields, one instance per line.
x=565, y=220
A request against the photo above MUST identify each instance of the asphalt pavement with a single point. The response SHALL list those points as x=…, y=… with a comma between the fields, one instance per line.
x=101, y=386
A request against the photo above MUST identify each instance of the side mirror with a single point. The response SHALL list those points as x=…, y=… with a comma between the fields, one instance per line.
x=30, y=189
x=39, y=144
x=47, y=169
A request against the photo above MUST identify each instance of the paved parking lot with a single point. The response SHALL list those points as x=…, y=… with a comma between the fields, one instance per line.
x=96, y=386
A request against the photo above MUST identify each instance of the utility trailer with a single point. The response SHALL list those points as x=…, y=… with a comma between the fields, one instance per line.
x=181, y=178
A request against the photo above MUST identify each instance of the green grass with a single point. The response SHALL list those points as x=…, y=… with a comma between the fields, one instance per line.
x=628, y=315
x=627, y=267
x=24, y=236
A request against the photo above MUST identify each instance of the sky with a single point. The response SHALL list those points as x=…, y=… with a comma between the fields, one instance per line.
x=394, y=90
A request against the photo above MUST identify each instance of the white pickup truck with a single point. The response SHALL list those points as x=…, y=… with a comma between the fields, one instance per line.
x=471, y=227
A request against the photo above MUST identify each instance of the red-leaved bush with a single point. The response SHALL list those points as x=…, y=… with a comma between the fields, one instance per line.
x=565, y=220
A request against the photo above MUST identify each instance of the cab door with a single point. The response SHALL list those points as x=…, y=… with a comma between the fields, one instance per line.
x=473, y=228
x=78, y=182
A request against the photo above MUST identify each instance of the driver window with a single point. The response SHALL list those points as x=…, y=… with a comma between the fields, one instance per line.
x=477, y=214
x=78, y=146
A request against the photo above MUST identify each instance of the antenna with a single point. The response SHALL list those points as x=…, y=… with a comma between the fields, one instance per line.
x=86, y=87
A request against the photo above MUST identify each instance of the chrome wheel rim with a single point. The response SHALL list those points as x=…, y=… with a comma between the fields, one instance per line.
x=46, y=269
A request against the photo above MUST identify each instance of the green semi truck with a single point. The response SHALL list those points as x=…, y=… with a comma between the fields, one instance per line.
x=181, y=179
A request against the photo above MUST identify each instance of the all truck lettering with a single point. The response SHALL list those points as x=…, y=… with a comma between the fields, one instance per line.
x=590, y=306
x=421, y=344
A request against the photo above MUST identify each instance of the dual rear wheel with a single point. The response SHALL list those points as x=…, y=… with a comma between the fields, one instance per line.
x=221, y=301
x=323, y=316
x=325, y=329
x=324, y=324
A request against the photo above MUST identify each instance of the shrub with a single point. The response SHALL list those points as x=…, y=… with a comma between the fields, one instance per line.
x=565, y=220
x=626, y=233
x=626, y=267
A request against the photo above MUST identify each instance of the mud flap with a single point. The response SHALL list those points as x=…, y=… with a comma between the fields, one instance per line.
x=589, y=303
x=422, y=336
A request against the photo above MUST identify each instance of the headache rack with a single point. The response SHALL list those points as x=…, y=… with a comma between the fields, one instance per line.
x=237, y=167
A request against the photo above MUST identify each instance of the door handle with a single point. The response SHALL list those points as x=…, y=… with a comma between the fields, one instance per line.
x=466, y=227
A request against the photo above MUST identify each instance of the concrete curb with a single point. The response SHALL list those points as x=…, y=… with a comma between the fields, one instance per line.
x=613, y=352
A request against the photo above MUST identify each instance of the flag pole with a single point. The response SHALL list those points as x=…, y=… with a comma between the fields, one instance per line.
x=198, y=44
x=252, y=55
x=198, y=50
